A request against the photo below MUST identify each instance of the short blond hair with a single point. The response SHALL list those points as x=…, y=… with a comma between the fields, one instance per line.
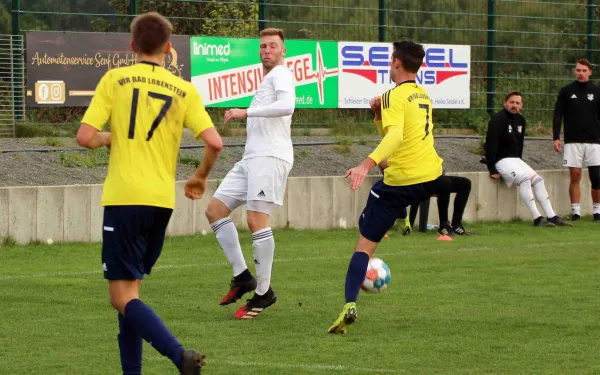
x=272, y=32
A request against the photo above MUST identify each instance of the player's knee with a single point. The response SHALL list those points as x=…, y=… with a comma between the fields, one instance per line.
x=215, y=210
x=536, y=179
x=461, y=184
x=575, y=175
x=253, y=223
x=118, y=302
x=594, y=172
x=519, y=179
x=259, y=213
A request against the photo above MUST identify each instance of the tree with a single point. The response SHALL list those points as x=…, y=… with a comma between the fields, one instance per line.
x=192, y=18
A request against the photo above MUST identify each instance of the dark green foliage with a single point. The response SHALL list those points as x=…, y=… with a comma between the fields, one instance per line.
x=537, y=43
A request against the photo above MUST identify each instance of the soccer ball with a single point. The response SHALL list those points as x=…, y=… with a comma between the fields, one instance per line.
x=378, y=276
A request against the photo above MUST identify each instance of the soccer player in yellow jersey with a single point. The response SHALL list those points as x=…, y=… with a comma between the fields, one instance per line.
x=147, y=108
x=414, y=170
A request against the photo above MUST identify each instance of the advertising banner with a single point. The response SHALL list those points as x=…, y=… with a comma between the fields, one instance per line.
x=63, y=68
x=227, y=71
x=365, y=73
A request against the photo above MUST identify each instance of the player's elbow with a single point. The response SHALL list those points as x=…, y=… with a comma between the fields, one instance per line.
x=212, y=139
x=216, y=145
x=288, y=111
x=85, y=136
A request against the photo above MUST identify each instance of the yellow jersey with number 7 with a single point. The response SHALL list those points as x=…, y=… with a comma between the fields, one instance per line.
x=146, y=108
x=408, y=106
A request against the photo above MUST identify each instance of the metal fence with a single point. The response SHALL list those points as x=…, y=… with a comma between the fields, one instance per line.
x=525, y=45
x=12, y=72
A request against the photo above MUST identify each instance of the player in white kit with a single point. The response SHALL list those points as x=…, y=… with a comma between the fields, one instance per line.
x=504, y=143
x=259, y=179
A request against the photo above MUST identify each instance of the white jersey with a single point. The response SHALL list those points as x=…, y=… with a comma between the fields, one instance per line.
x=268, y=129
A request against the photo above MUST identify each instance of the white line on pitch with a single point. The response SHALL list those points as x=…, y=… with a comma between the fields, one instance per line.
x=284, y=260
x=316, y=366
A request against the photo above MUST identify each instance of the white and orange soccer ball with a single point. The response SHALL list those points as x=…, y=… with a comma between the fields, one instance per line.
x=378, y=276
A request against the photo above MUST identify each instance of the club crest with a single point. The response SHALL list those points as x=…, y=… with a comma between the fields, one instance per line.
x=590, y=97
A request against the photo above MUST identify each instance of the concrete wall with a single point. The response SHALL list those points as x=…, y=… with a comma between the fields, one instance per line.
x=74, y=214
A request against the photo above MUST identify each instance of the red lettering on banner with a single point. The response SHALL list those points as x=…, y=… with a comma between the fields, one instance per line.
x=234, y=84
x=226, y=84
x=216, y=88
x=307, y=66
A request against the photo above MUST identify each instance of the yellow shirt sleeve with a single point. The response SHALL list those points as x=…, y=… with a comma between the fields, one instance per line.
x=392, y=110
x=100, y=109
x=196, y=117
x=388, y=145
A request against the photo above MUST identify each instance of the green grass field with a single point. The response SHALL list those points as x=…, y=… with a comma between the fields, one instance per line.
x=513, y=299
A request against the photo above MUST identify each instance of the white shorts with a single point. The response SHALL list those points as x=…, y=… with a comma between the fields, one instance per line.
x=581, y=155
x=261, y=178
x=514, y=170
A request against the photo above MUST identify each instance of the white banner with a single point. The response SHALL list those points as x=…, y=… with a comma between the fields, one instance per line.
x=364, y=73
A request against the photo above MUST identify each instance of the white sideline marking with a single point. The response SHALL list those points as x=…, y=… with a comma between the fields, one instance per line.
x=288, y=260
x=316, y=366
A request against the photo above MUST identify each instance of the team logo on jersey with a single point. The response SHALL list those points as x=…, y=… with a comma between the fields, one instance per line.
x=509, y=128
x=520, y=128
x=590, y=97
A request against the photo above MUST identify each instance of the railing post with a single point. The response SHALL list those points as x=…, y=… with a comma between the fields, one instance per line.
x=491, y=44
x=382, y=20
x=133, y=7
x=590, y=29
x=262, y=22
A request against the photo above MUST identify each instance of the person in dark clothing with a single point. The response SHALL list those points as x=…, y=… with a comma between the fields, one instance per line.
x=504, y=158
x=462, y=187
x=578, y=103
x=459, y=185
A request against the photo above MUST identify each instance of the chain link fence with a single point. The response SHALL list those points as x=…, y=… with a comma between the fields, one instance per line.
x=525, y=45
x=12, y=78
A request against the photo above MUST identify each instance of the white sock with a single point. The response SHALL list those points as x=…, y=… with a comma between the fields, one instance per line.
x=528, y=198
x=576, y=209
x=541, y=194
x=264, y=249
x=596, y=208
x=227, y=236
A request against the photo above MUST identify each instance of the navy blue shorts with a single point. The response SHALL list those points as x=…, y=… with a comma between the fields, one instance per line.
x=132, y=240
x=387, y=203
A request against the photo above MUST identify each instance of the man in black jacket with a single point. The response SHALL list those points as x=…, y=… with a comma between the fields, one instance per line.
x=503, y=156
x=578, y=102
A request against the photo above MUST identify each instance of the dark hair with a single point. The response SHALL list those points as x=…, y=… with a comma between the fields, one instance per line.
x=585, y=62
x=512, y=93
x=411, y=55
x=150, y=32
x=272, y=32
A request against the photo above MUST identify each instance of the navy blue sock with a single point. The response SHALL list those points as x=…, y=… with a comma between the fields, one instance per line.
x=130, y=348
x=357, y=269
x=152, y=329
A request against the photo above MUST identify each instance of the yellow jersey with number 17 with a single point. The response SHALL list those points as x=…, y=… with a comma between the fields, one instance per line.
x=147, y=108
x=408, y=106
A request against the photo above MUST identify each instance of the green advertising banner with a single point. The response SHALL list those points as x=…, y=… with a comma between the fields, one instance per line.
x=227, y=71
